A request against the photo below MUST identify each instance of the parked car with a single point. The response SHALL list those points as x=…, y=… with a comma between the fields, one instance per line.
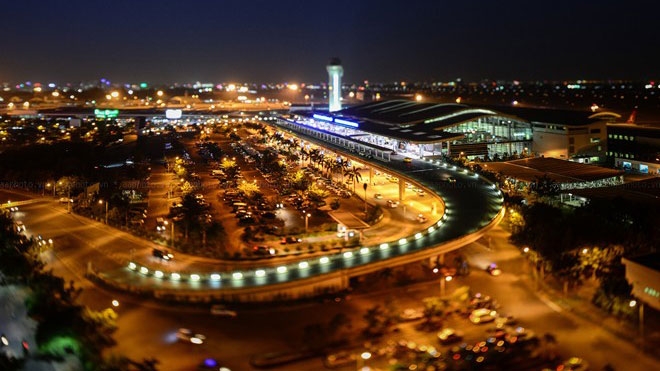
x=289, y=240
x=421, y=218
x=263, y=250
x=378, y=196
x=482, y=315
x=449, y=335
x=411, y=314
x=392, y=204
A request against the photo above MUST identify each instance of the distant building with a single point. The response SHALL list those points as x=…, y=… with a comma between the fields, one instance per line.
x=634, y=148
x=566, y=134
x=643, y=273
x=335, y=73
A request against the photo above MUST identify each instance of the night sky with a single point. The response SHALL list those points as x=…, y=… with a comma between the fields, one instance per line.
x=162, y=41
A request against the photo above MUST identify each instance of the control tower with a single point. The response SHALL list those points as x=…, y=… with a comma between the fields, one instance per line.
x=335, y=72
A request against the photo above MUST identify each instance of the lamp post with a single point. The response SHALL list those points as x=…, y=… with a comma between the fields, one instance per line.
x=362, y=360
x=365, y=198
x=172, y=235
x=106, y=210
x=633, y=303
x=307, y=215
x=443, y=283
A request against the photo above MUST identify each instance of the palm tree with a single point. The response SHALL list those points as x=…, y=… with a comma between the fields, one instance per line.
x=329, y=163
x=295, y=143
x=314, y=155
x=353, y=175
x=338, y=168
x=304, y=155
x=343, y=167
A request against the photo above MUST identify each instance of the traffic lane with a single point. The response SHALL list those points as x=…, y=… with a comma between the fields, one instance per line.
x=90, y=241
x=149, y=331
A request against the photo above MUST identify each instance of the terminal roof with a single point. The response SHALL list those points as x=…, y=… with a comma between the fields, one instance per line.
x=561, y=171
x=649, y=260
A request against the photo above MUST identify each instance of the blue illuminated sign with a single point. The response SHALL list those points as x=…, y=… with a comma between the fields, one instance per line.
x=322, y=117
x=346, y=122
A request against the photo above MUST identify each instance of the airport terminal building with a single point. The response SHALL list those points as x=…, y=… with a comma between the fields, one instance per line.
x=457, y=130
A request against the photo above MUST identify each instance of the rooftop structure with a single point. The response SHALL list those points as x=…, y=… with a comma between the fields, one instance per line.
x=569, y=175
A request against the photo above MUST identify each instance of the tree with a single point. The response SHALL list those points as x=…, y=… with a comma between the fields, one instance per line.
x=192, y=212
x=433, y=307
x=328, y=164
x=186, y=188
x=545, y=186
x=304, y=154
x=316, y=194
x=299, y=181
x=18, y=254
x=249, y=188
x=314, y=155
x=354, y=176
x=376, y=319
x=337, y=327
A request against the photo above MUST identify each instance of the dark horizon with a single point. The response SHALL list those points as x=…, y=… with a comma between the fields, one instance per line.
x=285, y=41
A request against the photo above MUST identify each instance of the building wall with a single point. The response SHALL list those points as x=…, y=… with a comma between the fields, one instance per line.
x=559, y=141
x=550, y=143
x=635, y=149
x=645, y=282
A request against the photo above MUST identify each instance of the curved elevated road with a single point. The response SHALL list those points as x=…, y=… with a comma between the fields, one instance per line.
x=473, y=206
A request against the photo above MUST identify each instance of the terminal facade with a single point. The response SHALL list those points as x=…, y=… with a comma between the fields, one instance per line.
x=456, y=130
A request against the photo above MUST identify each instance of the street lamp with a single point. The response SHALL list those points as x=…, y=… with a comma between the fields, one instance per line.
x=172, y=235
x=633, y=303
x=115, y=303
x=365, y=197
x=101, y=202
x=307, y=215
x=443, y=283
x=361, y=361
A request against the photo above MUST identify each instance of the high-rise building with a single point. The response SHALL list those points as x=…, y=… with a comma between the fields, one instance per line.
x=335, y=72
